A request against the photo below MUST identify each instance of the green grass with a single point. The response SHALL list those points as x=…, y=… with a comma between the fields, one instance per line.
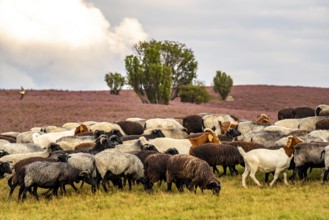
x=299, y=200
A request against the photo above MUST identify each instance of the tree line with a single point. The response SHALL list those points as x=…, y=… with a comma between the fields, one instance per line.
x=160, y=71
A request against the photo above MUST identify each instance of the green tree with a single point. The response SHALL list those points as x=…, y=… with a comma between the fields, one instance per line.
x=150, y=79
x=115, y=81
x=222, y=84
x=169, y=54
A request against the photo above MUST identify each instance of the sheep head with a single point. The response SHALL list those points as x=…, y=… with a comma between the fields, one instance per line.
x=262, y=118
x=81, y=129
x=215, y=187
x=5, y=168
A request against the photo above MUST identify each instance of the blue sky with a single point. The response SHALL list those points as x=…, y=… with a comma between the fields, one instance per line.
x=72, y=44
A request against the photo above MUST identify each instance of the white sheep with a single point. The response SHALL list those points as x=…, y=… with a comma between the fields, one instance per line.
x=266, y=160
x=171, y=133
x=163, y=123
x=17, y=148
x=211, y=120
x=111, y=164
x=70, y=125
x=43, y=140
x=107, y=127
x=309, y=123
x=70, y=142
x=288, y=123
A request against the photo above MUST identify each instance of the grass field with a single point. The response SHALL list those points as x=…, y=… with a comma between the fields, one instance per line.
x=299, y=200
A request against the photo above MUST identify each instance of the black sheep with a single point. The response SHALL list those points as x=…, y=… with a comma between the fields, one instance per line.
x=285, y=113
x=303, y=112
x=192, y=171
x=193, y=123
x=131, y=128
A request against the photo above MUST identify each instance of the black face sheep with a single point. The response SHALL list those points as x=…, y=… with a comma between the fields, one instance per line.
x=193, y=123
x=18, y=177
x=52, y=175
x=155, y=133
x=113, y=163
x=308, y=155
x=4, y=168
x=192, y=171
x=131, y=128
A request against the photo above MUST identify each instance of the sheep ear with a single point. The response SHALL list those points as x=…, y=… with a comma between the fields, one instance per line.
x=210, y=137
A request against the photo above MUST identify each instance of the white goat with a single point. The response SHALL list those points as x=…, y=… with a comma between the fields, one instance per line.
x=266, y=160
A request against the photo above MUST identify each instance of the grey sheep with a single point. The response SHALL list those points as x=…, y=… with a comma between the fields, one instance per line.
x=113, y=164
x=51, y=175
x=192, y=171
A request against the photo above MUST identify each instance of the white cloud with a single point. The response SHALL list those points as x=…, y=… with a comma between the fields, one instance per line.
x=61, y=44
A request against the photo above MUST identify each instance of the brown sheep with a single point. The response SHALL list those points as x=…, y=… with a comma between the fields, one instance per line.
x=131, y=127
x=322, y=124
x=193, y=123
x=285, y=113
x=192, y=171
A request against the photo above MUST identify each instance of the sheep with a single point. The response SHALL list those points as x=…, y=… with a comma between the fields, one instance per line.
x=308, y=155
x=4, y=168
x=182, y=145
x=70, y=142
x=163, y=123
x=26, y=137
x=267, y=160
x=211, y=121
x=131, y=128
x=218, y=154
x=3, y=153
x=192, y=171
x=154, y=133
x=309, y=123
x=141, y=121
x=84, y=162
x=225, y=126
x=9, y=138
x=285, y=113
x=143, y=154
x=288, y=123
x=322, y=124
x=193, y=123
x=325, y=156
x=320, y=108
x=70, y=125
x=43, y=140
x=112, y=164
x=18, y=177
x=303, y=112
x=322, y=135
x=170, y=132
x=249, y=127
x=155, y=167
x=136, y=145
x=18, y=148
x=52, y=175
x=262, y=118
x=107, y=127
x=14, y=158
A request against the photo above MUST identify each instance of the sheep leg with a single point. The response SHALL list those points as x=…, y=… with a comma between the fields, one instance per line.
x=35, y=192
x=325, y=175
x=74, y=187
x=293, y=175
x=169, y=185
x=104, y=185
x=129, y=183
x=285, y=178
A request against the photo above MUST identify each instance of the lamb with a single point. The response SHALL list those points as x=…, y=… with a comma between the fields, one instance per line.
x=193, y=123
x=18, y=177
x=131, y=128
x=322, y=124
x=14, y=158
x=112, y=164
x=4, y=168
x=267, y=160
x=52, y=175
x=218, y=154
x=192, y=171
x=182, y=145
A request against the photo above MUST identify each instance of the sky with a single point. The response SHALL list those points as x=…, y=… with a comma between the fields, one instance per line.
x=72, y=44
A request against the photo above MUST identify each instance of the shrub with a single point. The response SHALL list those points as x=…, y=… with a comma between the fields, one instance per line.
x=222, y=84
x=194, y=94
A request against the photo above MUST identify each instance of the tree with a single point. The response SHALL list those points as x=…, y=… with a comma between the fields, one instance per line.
x=194, y=94
x=150, y=79
x=115, y=81
x=222, y=84
x=167, y=54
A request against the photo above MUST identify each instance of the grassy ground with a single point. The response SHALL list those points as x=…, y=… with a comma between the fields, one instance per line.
x=297, y=201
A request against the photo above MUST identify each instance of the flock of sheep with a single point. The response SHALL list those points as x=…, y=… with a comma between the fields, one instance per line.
x=184, y=151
